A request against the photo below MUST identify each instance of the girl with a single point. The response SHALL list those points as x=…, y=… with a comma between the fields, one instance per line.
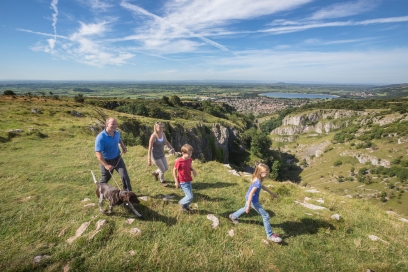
x=252, y=200
x=156, y=150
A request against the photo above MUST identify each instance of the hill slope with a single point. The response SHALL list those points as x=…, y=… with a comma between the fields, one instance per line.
x=48, y=192
x=360, y=154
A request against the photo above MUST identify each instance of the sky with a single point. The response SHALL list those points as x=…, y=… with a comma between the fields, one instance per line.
x=291, y=41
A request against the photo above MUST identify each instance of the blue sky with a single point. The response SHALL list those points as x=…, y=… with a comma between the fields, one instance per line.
x=298, y=41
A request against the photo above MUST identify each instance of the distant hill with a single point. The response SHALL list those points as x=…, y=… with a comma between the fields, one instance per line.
x=392, y=91
x=83, y=90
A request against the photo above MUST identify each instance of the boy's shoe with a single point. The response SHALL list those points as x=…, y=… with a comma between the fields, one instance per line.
x=155, y=175
x=164, y=184
x=275, y=238
x=234, y=220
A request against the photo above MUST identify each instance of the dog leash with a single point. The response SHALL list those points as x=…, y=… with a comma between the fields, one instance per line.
x=111, y=173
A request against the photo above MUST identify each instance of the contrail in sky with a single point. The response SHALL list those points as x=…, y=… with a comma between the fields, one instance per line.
x=52, y=42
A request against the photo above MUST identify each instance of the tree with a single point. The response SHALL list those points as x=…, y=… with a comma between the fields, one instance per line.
x=247, y=136
x=166, y=100
x=276, y=165
x=260, y=145
x=9, y=92
x=158, y=113
x=135, y=108
x=175, y=100
x=79, y=98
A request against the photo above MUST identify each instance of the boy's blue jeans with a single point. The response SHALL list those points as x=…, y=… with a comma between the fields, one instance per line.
x=265, y=216
x=188, y=191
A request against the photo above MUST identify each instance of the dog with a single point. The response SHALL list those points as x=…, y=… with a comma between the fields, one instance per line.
x=115, y=197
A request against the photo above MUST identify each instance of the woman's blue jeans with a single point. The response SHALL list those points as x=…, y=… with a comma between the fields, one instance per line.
x=188, y=191
x=265, y=216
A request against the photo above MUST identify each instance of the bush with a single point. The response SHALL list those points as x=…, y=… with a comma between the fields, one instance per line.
x=362, y=171
x=404, y=163
x=283, y=191
x=79, y=98
x=270, y=125
x=9, y=93
x=337, y=163
x=396, y=161
x=159, y=114
x=135, y=108
x=175, y=100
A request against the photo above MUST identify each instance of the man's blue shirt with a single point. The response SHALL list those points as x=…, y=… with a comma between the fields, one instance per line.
x=108, y=145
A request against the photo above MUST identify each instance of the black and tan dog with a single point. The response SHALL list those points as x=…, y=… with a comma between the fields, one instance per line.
x=115, y=197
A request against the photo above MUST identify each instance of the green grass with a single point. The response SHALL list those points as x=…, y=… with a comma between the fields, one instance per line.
x=44, y=180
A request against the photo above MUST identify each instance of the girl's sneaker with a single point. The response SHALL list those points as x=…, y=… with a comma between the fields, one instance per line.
x=184, y=208
x=235, y=221
x=275, y=238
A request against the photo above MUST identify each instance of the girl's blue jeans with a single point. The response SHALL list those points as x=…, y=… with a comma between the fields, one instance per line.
x=188, y=191
x=265, y=216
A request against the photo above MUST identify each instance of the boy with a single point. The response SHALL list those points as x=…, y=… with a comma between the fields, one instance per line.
x=182, y=176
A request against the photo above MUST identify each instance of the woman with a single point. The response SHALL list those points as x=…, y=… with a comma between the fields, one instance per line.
x=156, y=152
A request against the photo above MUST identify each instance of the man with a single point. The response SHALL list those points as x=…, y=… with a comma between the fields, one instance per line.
x=107, y=151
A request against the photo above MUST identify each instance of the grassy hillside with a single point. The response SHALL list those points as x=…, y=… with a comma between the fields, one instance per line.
x=367, y=159
x=46, y=183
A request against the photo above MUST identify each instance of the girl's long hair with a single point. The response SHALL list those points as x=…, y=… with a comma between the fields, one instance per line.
x=261, y=167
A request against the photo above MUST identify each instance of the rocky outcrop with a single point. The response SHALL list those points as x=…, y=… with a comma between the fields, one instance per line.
x=320, y=121
x=210, y=142
x=364, y=158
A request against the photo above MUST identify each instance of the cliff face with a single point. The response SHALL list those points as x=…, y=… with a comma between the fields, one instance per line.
x=320, y=121
x=209, y=143
x=214, y=142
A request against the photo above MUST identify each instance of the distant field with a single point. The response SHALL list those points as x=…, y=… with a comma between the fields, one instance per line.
x=155, y=90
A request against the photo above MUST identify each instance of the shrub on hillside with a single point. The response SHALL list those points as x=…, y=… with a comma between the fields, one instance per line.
x=404, y=163
x=396, y=161
x=158, y=113
x=79, y=98
x=337, y=163
x=270, y=125
x=9, y=93
x=362, y=171
x=175, y=100
x=135, y=108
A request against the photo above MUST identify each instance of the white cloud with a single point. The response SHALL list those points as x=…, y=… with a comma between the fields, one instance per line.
x=87, y=47
x=97, y=5
x=54, y=7
x=196, y=19
x=91, y=29
x=198, y=15
x=384, y=20
x=162, y=31
x=344, y=9
x=41, y=33
x=311, y=25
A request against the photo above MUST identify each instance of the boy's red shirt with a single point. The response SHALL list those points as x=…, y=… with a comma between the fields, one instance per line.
x=183, y=169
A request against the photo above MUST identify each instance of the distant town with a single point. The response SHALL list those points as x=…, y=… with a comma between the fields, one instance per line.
x=261, y=105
